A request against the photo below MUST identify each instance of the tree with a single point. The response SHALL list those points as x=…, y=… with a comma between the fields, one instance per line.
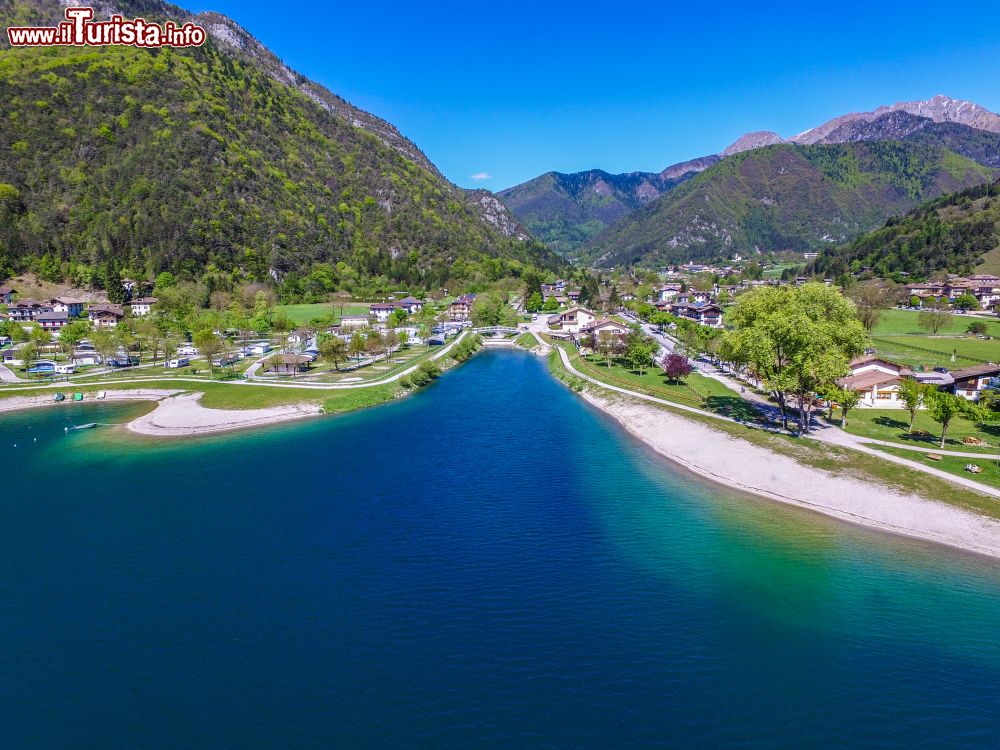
x=403, y=337
x=933, y=319
x=848, y=399
x=71, y=335
x=534, y=302
x=332, y=349
x=943, y=408
x=397, y=318
x=870, y=300
x=389, y=342
x=209, y=345
x=28, y=354
x=373, y=344
x=966, y=301
x=640, y=349
x=551, y=304
x=977, y=328
x=164, y=280
x=913, y=395
x=914, y=301
x=676, y=367
x=356, y=346
x=104, y=344
x=262, y=312
x=795, y=340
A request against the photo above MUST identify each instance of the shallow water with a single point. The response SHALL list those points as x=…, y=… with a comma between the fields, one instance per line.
x=489, y=563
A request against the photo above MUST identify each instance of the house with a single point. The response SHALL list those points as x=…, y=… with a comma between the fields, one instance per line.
x=970, y=382
x=52, y=321
x=876, y=379
x=257, y=349
x=411, y=304
x=573, y=295
x=461, y=308
x=382, y=310
x=72, y=307
x=7, y=293
x=705, y=313
x=667, y=292
x=25, y=310
x=352, y=322
x=288, y=364
x=605, y=328
x=105, y=316
x=142, y=306
x=573, y=320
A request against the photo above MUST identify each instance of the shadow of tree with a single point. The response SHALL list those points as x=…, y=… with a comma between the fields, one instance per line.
x=733, y=407
x=894, y=424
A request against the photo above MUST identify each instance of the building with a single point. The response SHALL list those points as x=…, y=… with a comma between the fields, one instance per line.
x=667, y=292
x=72, y=307
x=877, y=380
x=461, y=308
x=142, y=306
x=288, y=364
x=382, y=310
x=705, y=313
x=26, y=310
x=7, y=293
x=52, y=321
x=411, y=304
x=573, y=320
x=105, y=316
x=606, y=328
x=970, y=382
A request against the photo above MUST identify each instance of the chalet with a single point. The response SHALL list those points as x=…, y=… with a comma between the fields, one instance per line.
x=26, y=310
x=705, y=313
x=461, y=308
x=876, y=379
x=573, y=295
x=573, y=320
x=970, y=382
x=353, y=322
x=382, y=310
x=7, y=293
x=52, y=321
x=411, y=304
x=667, y=292
x=141, y=306
x=72, y=307
x=606, y=327
x=105, y=316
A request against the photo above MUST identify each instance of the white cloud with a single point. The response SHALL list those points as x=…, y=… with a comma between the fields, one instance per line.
x=479, y=176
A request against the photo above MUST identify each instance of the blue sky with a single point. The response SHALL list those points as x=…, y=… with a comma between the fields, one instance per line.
x=505, y=91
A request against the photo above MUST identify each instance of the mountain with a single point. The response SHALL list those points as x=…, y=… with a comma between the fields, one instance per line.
x=566, y=210
x=217, y=157
x=952, y=233
x=784, y=197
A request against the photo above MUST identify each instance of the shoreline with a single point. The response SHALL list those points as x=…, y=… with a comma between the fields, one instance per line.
x=747, y=468
x=177, y=413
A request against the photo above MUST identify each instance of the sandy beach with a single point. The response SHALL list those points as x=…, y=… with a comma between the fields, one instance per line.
x=183, y=415
x=177, y=414
x=741, y=465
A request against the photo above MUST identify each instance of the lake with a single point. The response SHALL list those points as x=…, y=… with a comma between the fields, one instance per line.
x=490, y=563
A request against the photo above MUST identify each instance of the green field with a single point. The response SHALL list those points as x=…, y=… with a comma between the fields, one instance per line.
x=892, y=424
x=937, y=351
x=893, y=322
x=300, y=314
x=990, y=473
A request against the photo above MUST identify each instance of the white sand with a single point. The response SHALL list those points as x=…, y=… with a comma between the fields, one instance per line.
x=742, y=465
x=178, y=416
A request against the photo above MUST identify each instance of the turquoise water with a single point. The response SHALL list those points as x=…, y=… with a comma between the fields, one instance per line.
x=489, y=563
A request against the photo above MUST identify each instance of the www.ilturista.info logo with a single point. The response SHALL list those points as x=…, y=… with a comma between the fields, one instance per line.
x=79, y=30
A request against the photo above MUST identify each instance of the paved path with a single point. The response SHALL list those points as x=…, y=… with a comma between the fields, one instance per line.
x=7, y=376
x=832, y=436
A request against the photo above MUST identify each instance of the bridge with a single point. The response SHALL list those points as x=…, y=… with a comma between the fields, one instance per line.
x=496, y=330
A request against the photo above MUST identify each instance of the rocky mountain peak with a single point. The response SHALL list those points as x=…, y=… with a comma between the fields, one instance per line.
x=748, y=141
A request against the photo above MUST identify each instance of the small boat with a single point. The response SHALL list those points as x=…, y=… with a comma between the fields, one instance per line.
x=78, y=397
x=86, y=426
x=60, y=397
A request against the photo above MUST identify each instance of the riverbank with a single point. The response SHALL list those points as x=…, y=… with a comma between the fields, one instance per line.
x=744, y=466
x=183, y=415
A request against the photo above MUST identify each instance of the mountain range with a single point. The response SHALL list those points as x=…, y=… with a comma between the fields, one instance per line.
x=763, y=192
x=218, y=157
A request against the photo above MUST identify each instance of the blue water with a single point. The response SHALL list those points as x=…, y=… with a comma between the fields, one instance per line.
x=488, y=564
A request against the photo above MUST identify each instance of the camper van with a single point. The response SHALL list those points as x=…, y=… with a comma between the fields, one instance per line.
x=187, y=350
x=173, y=364
x=65, y=368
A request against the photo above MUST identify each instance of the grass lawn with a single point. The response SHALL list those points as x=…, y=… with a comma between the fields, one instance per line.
x=892, y=424
x=695, y=390
x=954, y=465
x=895, y=322
x=526, y=340
x=300, y=314
x=936, y=351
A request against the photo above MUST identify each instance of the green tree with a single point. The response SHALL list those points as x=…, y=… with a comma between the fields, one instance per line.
x=209, y=345
x=104, y=344
x=71, y=335
x=534, y=302
x=977, y=328
x=796, y=340
x=356, y=346
x=943, y=408
x=640, y=349
x=332, y=349
x=28, y=354
x=551, y=304
x=933, y=319
x=913, y=395
x=966, y=301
